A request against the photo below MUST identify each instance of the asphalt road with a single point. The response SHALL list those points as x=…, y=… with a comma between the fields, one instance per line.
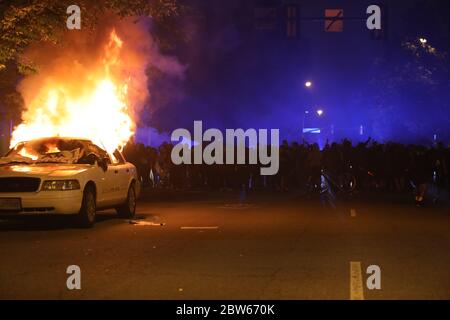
x=273, y=247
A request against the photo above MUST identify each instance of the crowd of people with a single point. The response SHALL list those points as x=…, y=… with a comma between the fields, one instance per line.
x=376, y=166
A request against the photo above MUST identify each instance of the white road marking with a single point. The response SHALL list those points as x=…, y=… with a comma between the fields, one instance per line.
x=146, y=223
x=356, y=283
x=199, y=228
x=238, y=206
x=353, y=213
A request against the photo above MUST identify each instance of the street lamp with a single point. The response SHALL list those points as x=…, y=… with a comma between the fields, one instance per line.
x=319, y=113
x=423, y=41
x=308, y=84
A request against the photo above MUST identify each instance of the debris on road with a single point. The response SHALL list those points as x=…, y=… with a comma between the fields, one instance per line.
x=146, y=223
x=238, y=206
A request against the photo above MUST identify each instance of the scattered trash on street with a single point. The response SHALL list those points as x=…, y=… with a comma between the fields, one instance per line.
x=147, y=223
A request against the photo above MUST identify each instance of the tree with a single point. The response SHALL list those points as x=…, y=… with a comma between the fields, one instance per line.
x=25, y=22
x=409, y=91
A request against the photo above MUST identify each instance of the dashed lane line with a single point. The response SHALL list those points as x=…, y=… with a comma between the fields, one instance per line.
x=356, y=283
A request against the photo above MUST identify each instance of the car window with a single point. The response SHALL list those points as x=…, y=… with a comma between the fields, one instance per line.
x=118, y=158
x=47, y=150
x=100, y=152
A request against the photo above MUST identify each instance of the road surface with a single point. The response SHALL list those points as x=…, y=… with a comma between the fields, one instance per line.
x=272, y=247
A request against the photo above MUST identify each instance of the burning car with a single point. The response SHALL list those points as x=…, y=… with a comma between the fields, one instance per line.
x=66, y=176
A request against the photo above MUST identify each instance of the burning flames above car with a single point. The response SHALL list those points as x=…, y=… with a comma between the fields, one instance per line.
x=95, y=108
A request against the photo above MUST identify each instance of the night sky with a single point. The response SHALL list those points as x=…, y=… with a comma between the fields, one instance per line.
x=240, y=77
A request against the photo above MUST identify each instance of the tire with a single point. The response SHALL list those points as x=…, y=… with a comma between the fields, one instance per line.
x=128, y=209
x=86, y=216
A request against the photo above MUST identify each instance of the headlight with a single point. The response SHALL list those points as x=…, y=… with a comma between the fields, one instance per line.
x=60, y=185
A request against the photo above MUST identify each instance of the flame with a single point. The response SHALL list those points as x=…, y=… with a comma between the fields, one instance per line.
x=24, y=153
x=96, y=108
x=33, y=155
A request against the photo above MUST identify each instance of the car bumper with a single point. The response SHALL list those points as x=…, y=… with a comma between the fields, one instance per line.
x=45, y=202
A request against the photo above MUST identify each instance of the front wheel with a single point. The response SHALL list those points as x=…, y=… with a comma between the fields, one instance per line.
x=86, y=216
x=128, y=209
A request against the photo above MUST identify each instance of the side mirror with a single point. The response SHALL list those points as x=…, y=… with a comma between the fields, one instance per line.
x=103, y=163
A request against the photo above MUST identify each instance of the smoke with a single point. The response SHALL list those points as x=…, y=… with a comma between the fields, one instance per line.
x=71, y=63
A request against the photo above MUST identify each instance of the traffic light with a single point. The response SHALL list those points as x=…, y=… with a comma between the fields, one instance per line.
x=334, y=20
x=292, y=19
x=266, y=18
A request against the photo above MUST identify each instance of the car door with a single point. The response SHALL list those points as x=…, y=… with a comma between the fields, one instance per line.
x=122, y=172
x=101, y=182
x=112, y=190
x=109, y=188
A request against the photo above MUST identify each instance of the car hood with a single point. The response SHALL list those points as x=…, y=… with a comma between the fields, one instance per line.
x=42, y=170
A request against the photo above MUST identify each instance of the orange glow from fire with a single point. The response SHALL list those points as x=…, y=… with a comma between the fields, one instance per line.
x=96, y=108
x=24, y=153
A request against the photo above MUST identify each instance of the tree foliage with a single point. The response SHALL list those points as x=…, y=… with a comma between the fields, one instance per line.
x=409, y=91
x=25, y=22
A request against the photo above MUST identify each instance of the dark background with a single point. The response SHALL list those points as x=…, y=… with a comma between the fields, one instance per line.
x=386, y=86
